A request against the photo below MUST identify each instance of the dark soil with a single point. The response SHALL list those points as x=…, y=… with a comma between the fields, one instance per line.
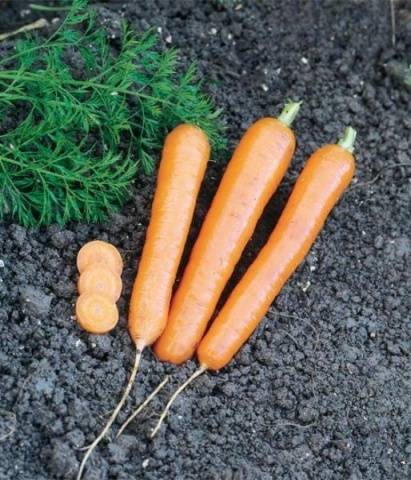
x=322, y=396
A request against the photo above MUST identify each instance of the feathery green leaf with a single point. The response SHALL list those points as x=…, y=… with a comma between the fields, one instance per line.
x=83, y=120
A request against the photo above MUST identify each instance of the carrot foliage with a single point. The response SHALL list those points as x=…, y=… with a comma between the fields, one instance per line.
x=78, y=121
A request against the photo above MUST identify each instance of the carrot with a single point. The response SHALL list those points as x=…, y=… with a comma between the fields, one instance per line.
x=182, y=169
x=98, y=278
x=184, y=159
x=326, y=175
x=253, y=174
x=99, y=252
x=96, y=313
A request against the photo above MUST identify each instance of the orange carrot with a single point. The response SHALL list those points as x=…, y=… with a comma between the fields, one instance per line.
x=99, y=252
x=253, y=174
x=185, y=155
x=326, y=175
x=98, y=278
x=96, y=313
x=184, y=159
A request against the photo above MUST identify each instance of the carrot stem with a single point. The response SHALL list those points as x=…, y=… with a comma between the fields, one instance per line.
x=348, y=139
x=46, y=8
x=142, y=405
x=139, y=351
x=196, y=374
x=289, y=113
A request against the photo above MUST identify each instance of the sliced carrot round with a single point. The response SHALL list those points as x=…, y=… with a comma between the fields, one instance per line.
x=96, y=313
x=99, y=252
x=99, y=278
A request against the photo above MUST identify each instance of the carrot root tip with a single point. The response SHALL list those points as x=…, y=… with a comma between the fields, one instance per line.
x=164, y=413
x=152, y=395
x=113, y=416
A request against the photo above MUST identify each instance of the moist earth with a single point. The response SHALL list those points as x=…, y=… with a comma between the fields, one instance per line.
x=322, y=389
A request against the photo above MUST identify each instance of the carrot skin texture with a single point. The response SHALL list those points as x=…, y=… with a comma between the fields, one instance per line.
x=184, y=159
x=326, y=175
x=253, y=174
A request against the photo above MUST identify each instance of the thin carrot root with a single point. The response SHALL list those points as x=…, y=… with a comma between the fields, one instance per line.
x=13, y=419
x=196, y=374
x=142, y=406
x=41, y=23
x=139, y=351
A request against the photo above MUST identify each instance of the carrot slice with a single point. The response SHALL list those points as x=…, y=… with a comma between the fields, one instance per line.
x=100, y=252
x=99, y=278
x=96, y=313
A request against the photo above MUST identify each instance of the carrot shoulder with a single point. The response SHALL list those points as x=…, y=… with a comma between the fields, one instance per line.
x=326, y=175
x=253, y=174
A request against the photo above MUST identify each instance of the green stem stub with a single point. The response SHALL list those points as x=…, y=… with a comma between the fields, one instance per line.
x=47, y=8
x=289, y=113
x=348, y=139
